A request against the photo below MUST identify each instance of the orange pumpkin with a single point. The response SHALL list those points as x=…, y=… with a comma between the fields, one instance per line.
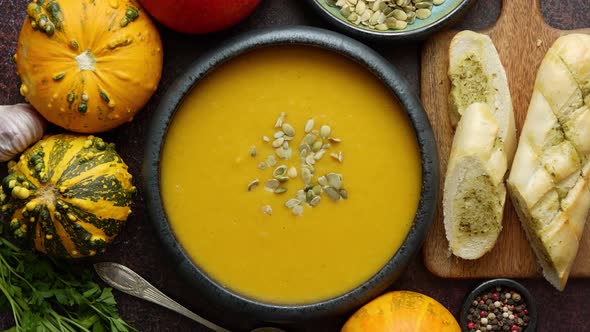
x=88, y=65
x=402, y=311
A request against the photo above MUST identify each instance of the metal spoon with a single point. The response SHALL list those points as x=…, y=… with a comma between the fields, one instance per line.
x=127, y=281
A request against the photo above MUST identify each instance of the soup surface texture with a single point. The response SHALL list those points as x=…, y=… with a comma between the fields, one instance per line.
x=281, y=258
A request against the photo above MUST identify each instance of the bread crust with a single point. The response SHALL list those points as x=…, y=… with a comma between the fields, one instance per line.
x=548, y=183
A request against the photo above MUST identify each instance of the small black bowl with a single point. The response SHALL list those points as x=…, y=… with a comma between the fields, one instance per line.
x=505, y=283
x=310, y=37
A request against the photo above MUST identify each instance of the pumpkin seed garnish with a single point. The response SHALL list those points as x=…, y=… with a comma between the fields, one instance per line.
x=271, y=185
x=315, y=201
x=317, y=145
x=271, y=161
x=338, y=156
x=280, y=120
x=334, y=180
x=267, y=209
x=322, y=181
x=288, y=130
x=282, y=153
x=300, y=195
x=265, y=139
x=334, y=139
x=309, y=139
x=253, y=152
x=332, y=193
x=319, y=155
x=279, y=134
x=310, y=160
x=306, y=175
x=279, y=171
x=278, y=142
x=325, y=131
x=343, y=193
x=280, y=190
x=309, y=125
x=292, y=172
x=291, y=203
x=253, y=184
x=297, y=210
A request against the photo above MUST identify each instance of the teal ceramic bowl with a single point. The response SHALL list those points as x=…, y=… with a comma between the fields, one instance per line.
x=442, y=16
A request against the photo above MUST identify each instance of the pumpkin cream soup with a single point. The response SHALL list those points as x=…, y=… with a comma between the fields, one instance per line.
x=290, y=175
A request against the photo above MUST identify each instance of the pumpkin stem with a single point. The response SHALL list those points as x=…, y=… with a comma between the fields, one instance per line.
x=86, y=61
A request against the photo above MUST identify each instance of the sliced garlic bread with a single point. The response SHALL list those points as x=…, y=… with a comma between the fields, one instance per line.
x=477, y=75
x=474, y=191
x=548, y=182
x=483, y=146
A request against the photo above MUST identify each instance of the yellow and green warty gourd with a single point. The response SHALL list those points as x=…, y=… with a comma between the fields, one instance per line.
x=68, y=196
x=88, y=65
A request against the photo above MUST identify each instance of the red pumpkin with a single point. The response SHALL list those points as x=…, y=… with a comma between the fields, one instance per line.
x=199, y=16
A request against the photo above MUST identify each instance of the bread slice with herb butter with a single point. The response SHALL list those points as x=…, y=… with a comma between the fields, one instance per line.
x=477, y=75
x=549, y=181
x=483, y=146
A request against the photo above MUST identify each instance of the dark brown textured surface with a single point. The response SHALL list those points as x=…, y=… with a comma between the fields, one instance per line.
x=138, y=246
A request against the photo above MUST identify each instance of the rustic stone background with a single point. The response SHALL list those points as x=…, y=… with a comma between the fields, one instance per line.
x=138, y=246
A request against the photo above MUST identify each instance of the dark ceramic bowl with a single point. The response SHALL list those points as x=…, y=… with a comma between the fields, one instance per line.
x=509, y=284
x=367, y=58
x=443, y=16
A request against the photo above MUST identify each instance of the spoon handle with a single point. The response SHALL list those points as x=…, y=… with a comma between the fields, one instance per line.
x=127, y=281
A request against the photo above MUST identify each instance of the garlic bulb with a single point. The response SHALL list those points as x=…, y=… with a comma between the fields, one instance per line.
x=20, y=126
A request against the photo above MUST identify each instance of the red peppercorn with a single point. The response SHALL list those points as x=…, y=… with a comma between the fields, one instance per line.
x=495, y=296
x=526, y=311
x=481, y=302
x=514, y=327
x=470, y=325
x=483, y=314
x=515, y=315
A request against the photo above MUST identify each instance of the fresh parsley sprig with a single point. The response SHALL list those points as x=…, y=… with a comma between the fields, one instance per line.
x=44, y=296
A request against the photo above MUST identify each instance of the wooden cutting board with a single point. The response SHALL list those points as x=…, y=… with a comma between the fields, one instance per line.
x=522, y=38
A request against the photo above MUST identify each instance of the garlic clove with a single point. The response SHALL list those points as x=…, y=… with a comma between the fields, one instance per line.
x=20, y=126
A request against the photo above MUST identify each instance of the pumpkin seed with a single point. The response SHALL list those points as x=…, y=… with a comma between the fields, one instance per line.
x=271, y=161
x=267, y=209
x=315, y=201
x=262, y=165
x=360, y=7
x=346, y=11
x=279, y=171
x=279, y=134
x=317, y=189
x=309, y=195
x=291, y=203
x=309, y=125
x=297, y=210
x=399, y=14
x=353, y=18
x=334, y=180
x=317, y=145
x=310, y=160
x=331, y=3
x=337, y=156
x=300, y=195
x=265, y=139
x=306, y=175
x=288, y=130
x=253, y=184
x=332, y=193
x=381, y=27
x=292, y=172
x=319, y=155
x=334, y=139
x=438, y=2
x=309, y=139
x=271, y=185
x=282, y=178
x=282, y=153
x=423, y=5
x=325, y=131
x=285, y=145
x=280, y=190
x=280, y=120
x=423, y=13
x=343, y=193
x=278, y=142
x=323, y=181
x=253, y=151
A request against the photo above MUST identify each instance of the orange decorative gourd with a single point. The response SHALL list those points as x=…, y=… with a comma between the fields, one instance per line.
x=402, y=311
x=88, y=65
